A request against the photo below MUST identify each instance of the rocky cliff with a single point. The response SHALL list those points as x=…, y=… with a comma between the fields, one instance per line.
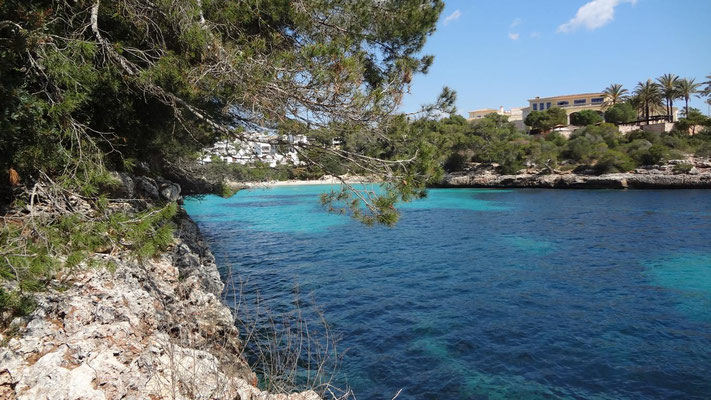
x=654, y=177
x=151, y=330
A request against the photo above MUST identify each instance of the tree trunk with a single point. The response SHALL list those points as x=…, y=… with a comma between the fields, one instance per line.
x=646, y=111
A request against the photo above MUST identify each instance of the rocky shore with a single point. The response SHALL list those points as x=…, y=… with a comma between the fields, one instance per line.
x=652, y=177
x=151, y=330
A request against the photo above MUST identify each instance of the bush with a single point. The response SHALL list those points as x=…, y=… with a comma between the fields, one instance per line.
x=13, y=304
x=654, y=155
x=620, y=114
x=704, y=150
x=614, y=161
x=585, y=148
x=543, y=154
x=546, y=120
x=512, y=157
x=651, y=137
x=604, y=132
x=226, y=191
x=556, y=138
x=63, y=243
x=674, y=142
x=684, y=168
x=585, y=118
x=455, y=162
x=682, y=126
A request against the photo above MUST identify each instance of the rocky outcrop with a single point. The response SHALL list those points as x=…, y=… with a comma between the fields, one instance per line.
x=699, y=177
x=129, y=186
x=134, y=330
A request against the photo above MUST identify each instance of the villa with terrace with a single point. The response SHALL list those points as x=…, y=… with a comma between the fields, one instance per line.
x=573, y=103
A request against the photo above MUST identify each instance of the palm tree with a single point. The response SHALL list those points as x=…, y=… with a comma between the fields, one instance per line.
x=615, y=93
x=687, y=88
x=650, y=96
x=636, y=104
x=669, y=83
x=707, y=90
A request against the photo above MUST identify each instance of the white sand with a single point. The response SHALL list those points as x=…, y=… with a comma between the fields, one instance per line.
x=325, y=181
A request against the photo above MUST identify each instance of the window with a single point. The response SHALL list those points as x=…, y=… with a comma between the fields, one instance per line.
x=580, y=101
x=548, y=105
x=535, y=107
x=596, y=100
x=541, y=106
x=563, y=103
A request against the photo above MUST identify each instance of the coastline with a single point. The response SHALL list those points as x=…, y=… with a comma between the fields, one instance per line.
x=486, y=176
x=327, y=180
x=577, y=181
x=157, y=328
x=649, y=177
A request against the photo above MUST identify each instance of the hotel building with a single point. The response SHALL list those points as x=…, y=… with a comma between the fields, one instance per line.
x=570, y=103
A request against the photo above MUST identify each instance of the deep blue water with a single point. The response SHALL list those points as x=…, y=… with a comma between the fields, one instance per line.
x=493, y=294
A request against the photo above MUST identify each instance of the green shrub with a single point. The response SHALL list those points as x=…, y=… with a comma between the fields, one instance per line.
x=585, y=118
x=226, y=191
x=614, y=161
x=546, y=120
x=684, y=168
x=674, y=154
x=604, y=132
x=703, y=150
x=556, y=138
x=652, y=137
x=654, y=155
x=620, y=113
x=512, y=157
x=32, y=258
x=682, y=126
x=455, y=162
x=585, y=148
x=14, y=304
x=543, y=154
x=567, y=167
x=674, y=142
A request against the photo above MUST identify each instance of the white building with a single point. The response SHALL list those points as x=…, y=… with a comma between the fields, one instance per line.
x=257, y=148
x=515, y=115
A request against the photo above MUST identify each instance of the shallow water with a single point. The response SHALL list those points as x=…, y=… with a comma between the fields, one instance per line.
x=493, y=294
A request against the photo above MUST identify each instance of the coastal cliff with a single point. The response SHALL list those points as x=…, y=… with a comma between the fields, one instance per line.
x=653, y=177
x=155, y=329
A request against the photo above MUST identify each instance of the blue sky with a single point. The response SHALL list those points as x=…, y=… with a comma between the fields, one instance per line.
x=504, y=52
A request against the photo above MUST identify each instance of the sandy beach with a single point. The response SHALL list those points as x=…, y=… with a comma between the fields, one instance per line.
x=329, y=180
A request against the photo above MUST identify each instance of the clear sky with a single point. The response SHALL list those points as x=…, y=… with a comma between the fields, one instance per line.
x=504, y=52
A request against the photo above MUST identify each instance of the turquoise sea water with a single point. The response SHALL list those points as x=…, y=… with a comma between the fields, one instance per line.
x=492, y=294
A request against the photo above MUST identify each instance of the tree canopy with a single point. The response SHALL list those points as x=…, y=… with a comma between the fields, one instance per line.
x=91, y=85
x=546, y=120
x=585, y=118
x=620, y=113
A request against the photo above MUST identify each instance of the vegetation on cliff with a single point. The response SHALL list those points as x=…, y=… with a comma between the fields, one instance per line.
x=89, y=87
x=600, y=148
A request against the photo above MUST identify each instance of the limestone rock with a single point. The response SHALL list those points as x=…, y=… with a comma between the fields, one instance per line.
x=125, y=189
x=147, y=188
x=153, y=330
x=169, y=191
x=645, y=178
